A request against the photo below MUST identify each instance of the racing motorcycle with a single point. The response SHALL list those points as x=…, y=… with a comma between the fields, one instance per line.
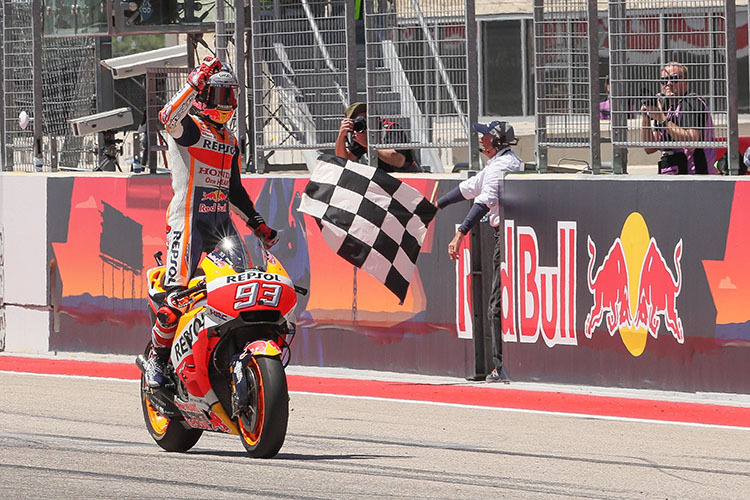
x=226, y=367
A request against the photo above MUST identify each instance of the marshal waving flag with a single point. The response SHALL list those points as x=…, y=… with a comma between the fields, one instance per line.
x=369, y=218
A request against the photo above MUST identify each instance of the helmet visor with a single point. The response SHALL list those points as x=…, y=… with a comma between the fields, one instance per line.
x=221, y=97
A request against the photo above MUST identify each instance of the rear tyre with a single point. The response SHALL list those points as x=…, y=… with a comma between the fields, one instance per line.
x=263, y=426
x=169, y=433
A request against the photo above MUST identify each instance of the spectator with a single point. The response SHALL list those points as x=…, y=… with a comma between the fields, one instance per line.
x=676, y=114
x=352, y=141
x=486, y=189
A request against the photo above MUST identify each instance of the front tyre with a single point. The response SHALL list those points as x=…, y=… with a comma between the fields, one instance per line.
x=263, y=425
x=169, y=433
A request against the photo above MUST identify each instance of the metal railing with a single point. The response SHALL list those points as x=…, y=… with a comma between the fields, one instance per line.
x=698, y=35
x=566, y=62
x=418, y=74
x=302, y=74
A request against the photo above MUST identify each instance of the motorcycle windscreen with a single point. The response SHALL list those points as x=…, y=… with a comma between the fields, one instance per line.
x=231, y=251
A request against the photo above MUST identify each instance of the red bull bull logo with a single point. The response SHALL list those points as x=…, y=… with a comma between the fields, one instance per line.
x=634, y=288
x=216, y=196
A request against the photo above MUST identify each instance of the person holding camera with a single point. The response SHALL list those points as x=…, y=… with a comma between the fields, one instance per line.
x=678, y=115
x=351, y=142
x=486, y=189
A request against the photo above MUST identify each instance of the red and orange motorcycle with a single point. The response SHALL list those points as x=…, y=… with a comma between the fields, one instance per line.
x=226, y=368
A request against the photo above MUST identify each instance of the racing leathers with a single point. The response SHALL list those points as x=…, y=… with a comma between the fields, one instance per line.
x=204, y=160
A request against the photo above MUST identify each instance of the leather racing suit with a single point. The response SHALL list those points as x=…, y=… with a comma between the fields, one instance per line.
x=204, y=159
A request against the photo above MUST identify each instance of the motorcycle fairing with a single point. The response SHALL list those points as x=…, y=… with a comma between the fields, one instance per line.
x=252, y=290
x=191, y=348
x=212, y=418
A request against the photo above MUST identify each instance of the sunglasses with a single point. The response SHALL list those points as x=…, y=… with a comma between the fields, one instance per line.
x=670, y=78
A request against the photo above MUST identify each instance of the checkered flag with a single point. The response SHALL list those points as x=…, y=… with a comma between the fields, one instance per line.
x=369, y=218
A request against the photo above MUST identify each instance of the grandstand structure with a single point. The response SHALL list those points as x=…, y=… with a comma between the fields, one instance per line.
x=434, y=66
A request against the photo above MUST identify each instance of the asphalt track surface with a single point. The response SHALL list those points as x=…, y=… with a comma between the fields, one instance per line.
x=79, y=434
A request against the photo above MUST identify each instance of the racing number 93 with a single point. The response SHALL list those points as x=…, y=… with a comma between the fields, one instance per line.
x=250, y=294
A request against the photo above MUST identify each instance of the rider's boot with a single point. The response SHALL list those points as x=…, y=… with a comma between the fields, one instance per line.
x=156, y=366
x=162, y=335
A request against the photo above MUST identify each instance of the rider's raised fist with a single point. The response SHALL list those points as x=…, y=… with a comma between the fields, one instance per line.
x=199, y=76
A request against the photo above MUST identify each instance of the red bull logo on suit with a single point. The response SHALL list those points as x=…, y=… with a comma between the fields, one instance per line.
x=634, y=287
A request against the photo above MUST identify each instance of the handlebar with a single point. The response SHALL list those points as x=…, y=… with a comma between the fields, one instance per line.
x=193, y=289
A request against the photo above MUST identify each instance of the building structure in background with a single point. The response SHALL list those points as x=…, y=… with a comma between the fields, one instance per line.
x=305, y=60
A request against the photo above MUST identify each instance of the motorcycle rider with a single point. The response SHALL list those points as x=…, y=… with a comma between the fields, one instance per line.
x=204, y=159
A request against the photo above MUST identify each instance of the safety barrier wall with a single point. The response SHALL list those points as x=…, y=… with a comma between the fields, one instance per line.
x=628, y=282
x=102, y=233
x=633, y=282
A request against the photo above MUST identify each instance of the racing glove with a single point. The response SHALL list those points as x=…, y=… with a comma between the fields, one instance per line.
x=199, y=76
x=268, y=236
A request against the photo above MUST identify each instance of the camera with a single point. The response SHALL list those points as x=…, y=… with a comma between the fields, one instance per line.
x=651, y=100
x=360, y=124
x=108, y=120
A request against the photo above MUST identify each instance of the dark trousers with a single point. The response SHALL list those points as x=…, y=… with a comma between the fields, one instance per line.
x=493, y=308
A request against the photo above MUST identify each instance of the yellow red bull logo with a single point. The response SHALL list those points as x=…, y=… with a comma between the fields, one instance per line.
x=634, y=287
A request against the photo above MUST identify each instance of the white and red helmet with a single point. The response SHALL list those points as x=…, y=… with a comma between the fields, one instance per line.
x=217, y=100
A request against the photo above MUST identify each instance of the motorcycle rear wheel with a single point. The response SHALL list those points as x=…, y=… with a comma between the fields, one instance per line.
x=263, y=428
x=169, y=433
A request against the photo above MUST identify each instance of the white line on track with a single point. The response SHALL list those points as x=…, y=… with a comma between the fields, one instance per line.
x=438, y=403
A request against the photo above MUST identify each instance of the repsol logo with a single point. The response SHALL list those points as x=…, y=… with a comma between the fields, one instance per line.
x=184, y=345
x=174, y=254
x=253, y=275
x=220, y=147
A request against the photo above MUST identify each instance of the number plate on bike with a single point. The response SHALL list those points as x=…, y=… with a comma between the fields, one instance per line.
x=251, y=290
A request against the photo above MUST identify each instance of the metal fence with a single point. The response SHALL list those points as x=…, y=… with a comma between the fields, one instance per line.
x=161, y=85
x=45, y=83
x=418, y=74
x=643, y=36
x=302, y=54
x=566, y=64
x=698, y=35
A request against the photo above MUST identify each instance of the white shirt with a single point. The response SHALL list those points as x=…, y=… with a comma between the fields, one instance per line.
x=487, y=186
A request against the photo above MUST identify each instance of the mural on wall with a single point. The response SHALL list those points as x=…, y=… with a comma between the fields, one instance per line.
x=729, y=278
x=104, y=233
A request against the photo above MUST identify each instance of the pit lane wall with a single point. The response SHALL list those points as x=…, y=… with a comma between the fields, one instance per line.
x=607, y=281
x=76, y=258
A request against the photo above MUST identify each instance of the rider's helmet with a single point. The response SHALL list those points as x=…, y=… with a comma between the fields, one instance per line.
x=217, y=100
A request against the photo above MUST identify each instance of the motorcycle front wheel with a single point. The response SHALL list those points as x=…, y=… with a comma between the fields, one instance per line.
x=169, y=433
x=263, y=425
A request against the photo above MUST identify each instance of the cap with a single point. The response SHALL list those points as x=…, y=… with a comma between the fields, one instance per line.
x=502, y=130
x=355, y=109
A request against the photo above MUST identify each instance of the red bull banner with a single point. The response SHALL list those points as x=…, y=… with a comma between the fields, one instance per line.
x=623, y=282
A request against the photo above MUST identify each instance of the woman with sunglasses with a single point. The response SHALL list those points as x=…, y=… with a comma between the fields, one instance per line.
x=678, y=115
